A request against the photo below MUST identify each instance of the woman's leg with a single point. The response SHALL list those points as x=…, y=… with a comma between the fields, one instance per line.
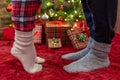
x=23, y=17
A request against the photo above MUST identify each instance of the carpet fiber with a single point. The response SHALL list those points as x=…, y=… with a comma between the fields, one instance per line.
x=11, y=68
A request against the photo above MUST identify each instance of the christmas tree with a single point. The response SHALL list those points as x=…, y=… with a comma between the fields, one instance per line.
x=64, y=10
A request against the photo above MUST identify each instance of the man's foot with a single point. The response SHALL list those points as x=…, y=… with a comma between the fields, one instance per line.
x=79, y=54
x=96, y=58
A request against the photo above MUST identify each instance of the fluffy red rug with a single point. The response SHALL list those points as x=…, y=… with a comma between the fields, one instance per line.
x=11, y=68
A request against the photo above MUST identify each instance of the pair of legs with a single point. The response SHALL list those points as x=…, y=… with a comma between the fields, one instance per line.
x=23, y=16
x=101, y=17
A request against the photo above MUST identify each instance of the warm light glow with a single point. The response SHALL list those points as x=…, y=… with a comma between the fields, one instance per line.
x=39, y=16
x=75, y=11
x=79, y=16
x=56, y=15
x=65, y=19
x=77, y=20
x=65, y=13
x=68, y=1
x=72, y=0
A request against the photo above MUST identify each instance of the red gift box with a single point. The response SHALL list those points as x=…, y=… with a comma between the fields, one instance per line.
x=57, y=29
x=83, y=25
x=37, y=31
x=8, y=33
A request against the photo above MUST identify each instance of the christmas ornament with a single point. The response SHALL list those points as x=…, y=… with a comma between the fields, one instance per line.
x=9, y=8
x=45, y=17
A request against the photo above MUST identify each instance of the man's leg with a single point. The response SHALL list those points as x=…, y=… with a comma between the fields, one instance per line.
x=23, y=16
x=82, y=53
x=97, y=57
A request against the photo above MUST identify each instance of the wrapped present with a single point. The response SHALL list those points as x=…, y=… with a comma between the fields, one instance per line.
x=57, y=29
x=8, y=33
x=78, y=38
x=83, y=25
x=37, y=31
x=54, y=43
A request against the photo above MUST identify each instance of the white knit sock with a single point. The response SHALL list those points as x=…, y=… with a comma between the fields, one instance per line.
x=23, y=49
x=39, y=60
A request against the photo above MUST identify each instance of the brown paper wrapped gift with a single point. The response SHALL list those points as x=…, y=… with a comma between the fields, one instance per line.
x=78, y=38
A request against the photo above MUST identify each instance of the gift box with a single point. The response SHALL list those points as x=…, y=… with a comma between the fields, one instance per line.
x=79, y=39
x=37, y=31
x=54, y=43
x=83, y=26
x=8, y=33
x=57, y=29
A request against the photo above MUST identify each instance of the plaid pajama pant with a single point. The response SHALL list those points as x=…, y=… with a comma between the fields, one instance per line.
x=23, y=14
